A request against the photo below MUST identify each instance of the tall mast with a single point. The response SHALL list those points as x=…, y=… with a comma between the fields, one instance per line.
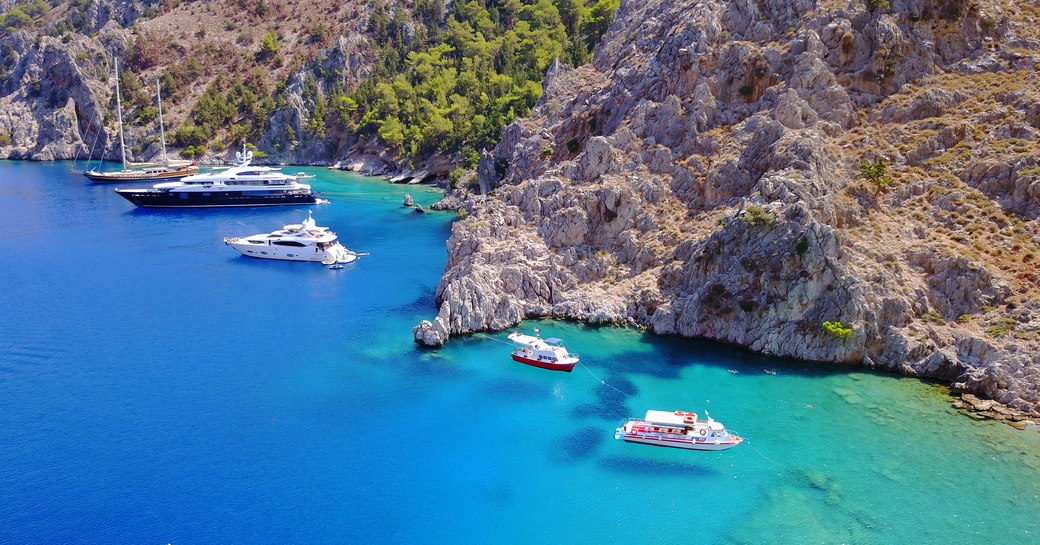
x=162, y=132
x=119, y=115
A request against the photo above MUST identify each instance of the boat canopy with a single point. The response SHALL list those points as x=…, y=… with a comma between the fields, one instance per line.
x=669, y=418
x=553, y=340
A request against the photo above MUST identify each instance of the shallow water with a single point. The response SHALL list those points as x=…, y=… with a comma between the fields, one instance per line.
x=156, y=387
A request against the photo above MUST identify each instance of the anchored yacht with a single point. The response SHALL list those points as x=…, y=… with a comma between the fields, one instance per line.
x=677, y=429
x=166, y=169
x=240, y=185
x=545, y=353
x=298, y=242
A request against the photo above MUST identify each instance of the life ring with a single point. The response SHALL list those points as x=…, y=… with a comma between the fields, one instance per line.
x=703, y=433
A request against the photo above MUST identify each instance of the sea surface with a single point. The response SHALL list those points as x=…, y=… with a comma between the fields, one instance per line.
x=157, y=387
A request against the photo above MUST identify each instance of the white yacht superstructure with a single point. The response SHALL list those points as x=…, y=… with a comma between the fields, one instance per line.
x=240, y=185
x=297, y=242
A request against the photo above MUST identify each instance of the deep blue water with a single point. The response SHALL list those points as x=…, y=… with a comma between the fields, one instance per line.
x=157, y=387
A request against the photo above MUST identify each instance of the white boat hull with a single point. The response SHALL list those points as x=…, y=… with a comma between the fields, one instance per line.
x=677, y=429
x=336, y=254
x=677, y=442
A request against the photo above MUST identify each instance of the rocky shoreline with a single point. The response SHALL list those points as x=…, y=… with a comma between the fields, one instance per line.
x=709, y=175
x=700, y=180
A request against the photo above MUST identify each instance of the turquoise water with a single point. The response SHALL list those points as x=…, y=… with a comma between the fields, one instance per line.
x=156, y=387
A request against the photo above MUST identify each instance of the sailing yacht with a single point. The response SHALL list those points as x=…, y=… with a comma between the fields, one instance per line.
x=164, y=170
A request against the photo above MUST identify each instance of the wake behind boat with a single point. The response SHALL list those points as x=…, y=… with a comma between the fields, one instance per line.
x=240, y=185
x=298, y=242
x=543, y=353
x=679, y=430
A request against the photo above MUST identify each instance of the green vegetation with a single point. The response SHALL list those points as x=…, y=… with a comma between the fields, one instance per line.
x=837, y=329
x=453, y=86
x=755, y=214
x=5, y=139
x=876, y=174
x=268, y=48
x=802, y=245
x=933, y=317
x=877, y=5
x=24, y=14
x=1004, y=326
x=236, y=106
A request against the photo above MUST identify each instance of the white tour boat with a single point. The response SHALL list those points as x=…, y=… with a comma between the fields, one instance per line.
x=677, y=429
x=539, y=352
x=299, y=242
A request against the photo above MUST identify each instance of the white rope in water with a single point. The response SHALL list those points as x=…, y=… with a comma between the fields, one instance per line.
x=764, y=457
x=492, y=338
x=601, y=381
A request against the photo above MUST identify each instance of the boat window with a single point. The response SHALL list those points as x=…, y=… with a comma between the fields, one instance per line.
x=288, y=243
x=256, y=242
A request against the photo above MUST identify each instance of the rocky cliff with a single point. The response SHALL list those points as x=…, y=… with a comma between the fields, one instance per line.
x=57, y=96
x=748, y=171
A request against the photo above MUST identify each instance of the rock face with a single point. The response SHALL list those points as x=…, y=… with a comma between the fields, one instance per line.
x=286, y=135
x=56, y=95
x=703, y=178
x=52, y=107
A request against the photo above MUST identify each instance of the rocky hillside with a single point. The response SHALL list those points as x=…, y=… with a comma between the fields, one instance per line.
x=832, y=181
x=375, y=84
x=230, y=71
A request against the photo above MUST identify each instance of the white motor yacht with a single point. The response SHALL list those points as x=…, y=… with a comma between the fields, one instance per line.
x=298, y=242
x=240, y=185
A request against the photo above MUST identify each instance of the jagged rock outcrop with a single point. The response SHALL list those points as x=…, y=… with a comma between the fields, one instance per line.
x=52, y=104
x=287, y=134
x=702, y=178
x=56, y=91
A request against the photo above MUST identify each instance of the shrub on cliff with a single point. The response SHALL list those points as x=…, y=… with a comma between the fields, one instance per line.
x=755, y=214
x=876, y=174
x=877, y=5
x=268, y=47
x=837, y=329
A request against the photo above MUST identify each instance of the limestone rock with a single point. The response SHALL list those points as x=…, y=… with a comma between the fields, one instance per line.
x=487, y=177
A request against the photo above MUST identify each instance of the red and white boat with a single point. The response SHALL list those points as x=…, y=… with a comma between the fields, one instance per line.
x=677, y=429
x=545, y=353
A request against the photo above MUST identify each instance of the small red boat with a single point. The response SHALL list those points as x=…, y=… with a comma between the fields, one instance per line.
x=545, y=353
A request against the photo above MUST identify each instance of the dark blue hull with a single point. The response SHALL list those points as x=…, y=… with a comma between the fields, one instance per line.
x=150, y=198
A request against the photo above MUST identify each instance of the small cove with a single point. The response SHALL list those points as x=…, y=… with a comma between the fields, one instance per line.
x=159, y=387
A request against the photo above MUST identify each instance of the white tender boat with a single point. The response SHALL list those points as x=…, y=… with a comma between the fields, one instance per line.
x=545, y=353
x=299, y=242
x=677, y=429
